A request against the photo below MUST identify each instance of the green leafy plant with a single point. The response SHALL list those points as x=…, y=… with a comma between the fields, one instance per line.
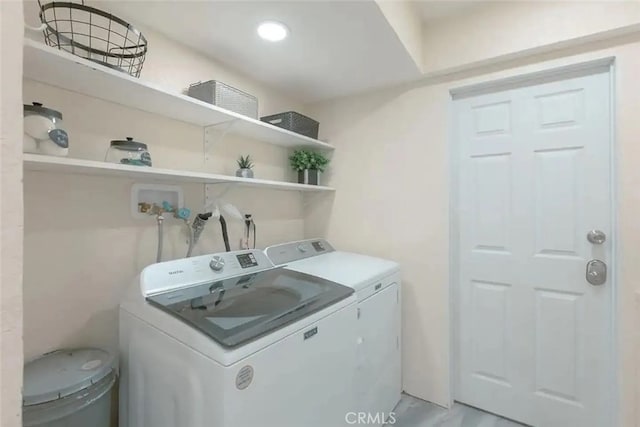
x=305, y=159
x=245, y=162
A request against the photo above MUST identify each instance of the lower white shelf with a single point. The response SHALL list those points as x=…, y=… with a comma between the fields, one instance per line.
x=36, y=162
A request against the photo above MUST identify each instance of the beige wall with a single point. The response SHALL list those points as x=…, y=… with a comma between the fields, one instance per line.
x=391, y=169
x=406, y=21
x=10, y=213
x=83, y=248
x=511, y=29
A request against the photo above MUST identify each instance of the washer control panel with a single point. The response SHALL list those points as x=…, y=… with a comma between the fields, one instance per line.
x=247, y=260
x=294, y=251
x=166, y=276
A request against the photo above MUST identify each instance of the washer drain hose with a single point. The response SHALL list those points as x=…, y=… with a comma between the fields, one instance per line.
x=225, y=234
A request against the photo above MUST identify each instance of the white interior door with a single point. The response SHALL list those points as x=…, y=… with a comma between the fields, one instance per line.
x=534, y=337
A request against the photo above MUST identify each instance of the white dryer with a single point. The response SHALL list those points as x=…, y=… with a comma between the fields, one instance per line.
x=378, y=376
x=229, y=340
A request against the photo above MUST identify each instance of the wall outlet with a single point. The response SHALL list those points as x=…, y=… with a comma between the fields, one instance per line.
x=144, y=196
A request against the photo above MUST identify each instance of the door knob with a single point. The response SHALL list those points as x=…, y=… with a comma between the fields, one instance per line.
x=596, y=237
x=596, y=272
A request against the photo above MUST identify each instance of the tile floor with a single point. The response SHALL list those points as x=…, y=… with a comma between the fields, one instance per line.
x=412, y=412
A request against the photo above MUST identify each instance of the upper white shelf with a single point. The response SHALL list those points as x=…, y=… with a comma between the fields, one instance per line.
x=36, y=162
x=64, y=70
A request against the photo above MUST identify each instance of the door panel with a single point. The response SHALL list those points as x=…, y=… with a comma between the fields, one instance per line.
x=555, y=202
x=492, y=199
x=490, y=318
x=533, y=179
x=560, y=109
x=492, y=118
x=557, y=358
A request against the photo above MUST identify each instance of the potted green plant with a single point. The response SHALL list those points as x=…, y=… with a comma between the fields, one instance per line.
x=245, y=165
x=309, y=166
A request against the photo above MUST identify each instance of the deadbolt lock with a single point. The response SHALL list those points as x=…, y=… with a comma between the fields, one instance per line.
x=596, y=272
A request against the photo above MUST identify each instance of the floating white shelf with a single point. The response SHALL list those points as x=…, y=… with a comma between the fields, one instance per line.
x=64, y=70
x=35, y=162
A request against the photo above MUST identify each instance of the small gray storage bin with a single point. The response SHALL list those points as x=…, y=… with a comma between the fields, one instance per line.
x=69, y=388
x=295, y=122
x=225, y=96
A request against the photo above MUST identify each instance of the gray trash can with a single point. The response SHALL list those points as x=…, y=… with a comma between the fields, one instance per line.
x=69, y=388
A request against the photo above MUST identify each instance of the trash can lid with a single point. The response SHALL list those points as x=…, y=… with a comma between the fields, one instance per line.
x=63, y=372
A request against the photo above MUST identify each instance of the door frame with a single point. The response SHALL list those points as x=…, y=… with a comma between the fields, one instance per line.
x=584, y=68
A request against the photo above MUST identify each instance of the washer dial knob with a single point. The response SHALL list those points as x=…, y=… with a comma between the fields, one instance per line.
x=217, y=263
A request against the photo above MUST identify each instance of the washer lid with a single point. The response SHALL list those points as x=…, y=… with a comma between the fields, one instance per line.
x=239, y=309
x=63, y=372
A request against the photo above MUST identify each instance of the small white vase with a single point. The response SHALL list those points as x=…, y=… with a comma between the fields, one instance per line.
x=244, y=173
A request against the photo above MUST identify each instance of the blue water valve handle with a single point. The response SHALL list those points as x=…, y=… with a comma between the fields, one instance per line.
x=183, y=213
x=167, y=207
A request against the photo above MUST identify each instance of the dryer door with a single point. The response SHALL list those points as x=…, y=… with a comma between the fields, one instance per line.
x=378, y=376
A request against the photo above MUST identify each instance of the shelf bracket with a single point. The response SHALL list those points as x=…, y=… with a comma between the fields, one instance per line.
x=211, y=196
x=214, y=135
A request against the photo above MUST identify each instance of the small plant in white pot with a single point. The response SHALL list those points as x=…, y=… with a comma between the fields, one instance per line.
x=245, y=165
x=309, y=166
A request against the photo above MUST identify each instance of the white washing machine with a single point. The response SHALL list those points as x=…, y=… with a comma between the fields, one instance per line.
x=378, y=375
x=229, y=340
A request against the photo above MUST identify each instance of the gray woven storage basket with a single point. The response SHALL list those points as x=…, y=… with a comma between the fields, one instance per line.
x=294, y=122
x=225, y=96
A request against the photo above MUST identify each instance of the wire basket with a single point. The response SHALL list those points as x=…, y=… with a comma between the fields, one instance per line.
x=94, y=35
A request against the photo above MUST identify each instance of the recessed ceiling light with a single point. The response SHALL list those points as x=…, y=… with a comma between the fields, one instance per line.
x=273, y=31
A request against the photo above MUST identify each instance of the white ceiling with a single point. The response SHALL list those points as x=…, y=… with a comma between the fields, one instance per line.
x=335, y=47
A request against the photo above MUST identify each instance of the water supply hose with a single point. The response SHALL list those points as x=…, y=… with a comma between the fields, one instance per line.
x=160, y=220
x=249, y=224
x=198, y=225
x=254, y=233
x=192, y=242
x=247, y=231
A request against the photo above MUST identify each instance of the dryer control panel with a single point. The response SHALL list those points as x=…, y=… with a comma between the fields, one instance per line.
x=186, y=272
x=294, y=251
